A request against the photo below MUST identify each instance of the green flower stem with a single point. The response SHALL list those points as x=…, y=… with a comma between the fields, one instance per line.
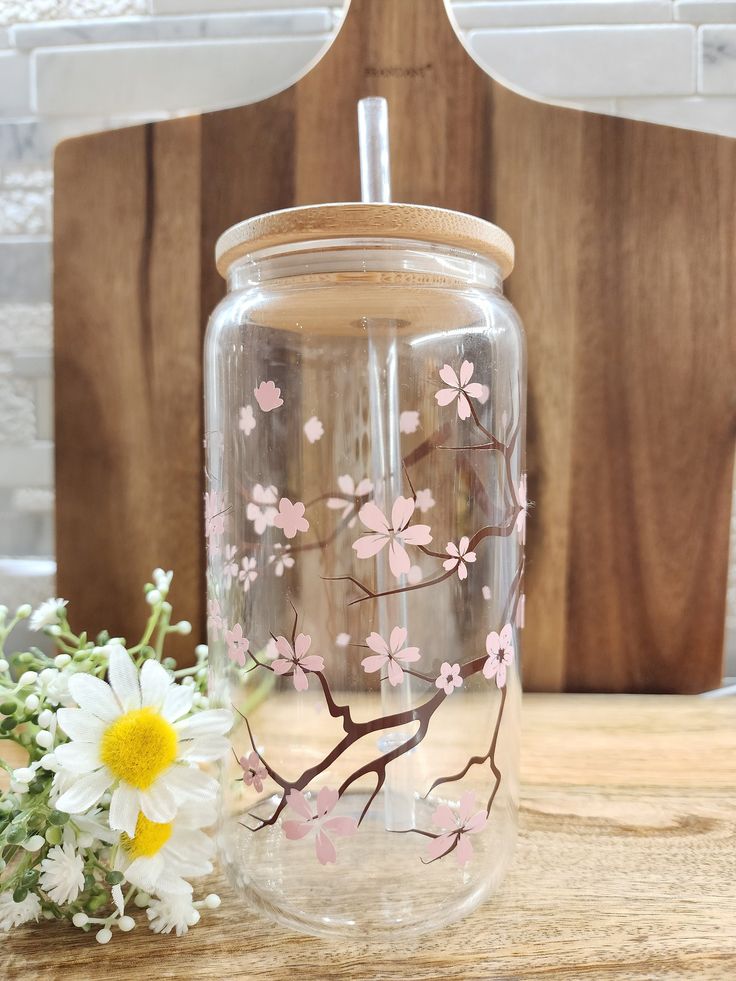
x=162, y=631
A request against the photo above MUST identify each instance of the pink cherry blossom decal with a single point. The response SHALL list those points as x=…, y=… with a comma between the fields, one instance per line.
x=342, y=640
x=268, y=396
x=290, y=518
x=320, y=823
x=230, y=566
x=500, y=650
x=254, y=772
x=261, y=510
x=247, y=574
x=215, y=622
x=247, y=420
x=237, y=644
x=281, y=559
x=396, y=535
x=468, y=821
x=313, y=429
x=449, y=677
x=460, y=388
x=350, y=492
x=459, y=556
x=214, y=516
x=408, y=422
x=297, y=660
x=424, y=499
x=391, y=653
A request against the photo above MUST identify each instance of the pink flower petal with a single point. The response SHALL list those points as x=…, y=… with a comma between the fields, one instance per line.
x=416, y=535
x=301, y=645
x=398, y=560
x=313, y=662
x=450, y=564
x=443, y=817
x=445, y=395
x=507, y=636
x=501, y=676
x=409, y=654
x=284, y=647
x=268, y=396
x=377, y=643
x=342, y=826
x=448, y=376
x=462, y=572
x=301, y=681
x=467, y=805
x=395, y=674
x=452, y=549
x=374, y=662
x=469, y=557
x=369, y=545
x=294, y=830
x=464, y=850
x=325, y=849
x=493, y=643
x=466, y=372
x=373, y=518
x=397, y=638
x=439, y=846
x=281, y=665
x=401, y=512
x=327, y=798
x=475, y=390
x=299, y=803
x=476, y=823
x=463, y=406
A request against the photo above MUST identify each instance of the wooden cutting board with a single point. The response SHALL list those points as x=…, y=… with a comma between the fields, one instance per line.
x=625, y=240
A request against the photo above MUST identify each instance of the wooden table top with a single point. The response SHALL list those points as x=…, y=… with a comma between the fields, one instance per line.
x=625, y=869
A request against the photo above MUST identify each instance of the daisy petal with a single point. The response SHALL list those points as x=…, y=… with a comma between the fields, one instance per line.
x=188, y=782
x=78, y=757
x=178, y=701
x=124, y=809
x=124, y=679
x=212, y=722
x=85, y=792
x=155, y=683
x=173, y=885
x=158, y=803
x=144, y=872
x=78, y=724
x=94, y=696
x=205, y=749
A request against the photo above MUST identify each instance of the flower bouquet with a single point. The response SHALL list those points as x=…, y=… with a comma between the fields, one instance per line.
x=106, y=811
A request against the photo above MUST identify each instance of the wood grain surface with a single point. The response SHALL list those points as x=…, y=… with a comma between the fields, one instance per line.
x=625, y=243
x=625, y=869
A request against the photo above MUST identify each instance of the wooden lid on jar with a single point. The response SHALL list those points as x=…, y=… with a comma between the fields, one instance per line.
x=324, y=222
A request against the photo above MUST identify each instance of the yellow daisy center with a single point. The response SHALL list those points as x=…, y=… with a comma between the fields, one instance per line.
x=149, y=838
x=138, y=747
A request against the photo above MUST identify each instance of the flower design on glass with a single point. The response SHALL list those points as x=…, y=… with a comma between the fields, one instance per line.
x=281, y=559
x=290, y=518
x=520, y=611
x=268, y=396
x=248, y=573
x=254, y=772
x=214, y=515
x=297, y=660
x=449, y=677
x=347, y=504
x=247, y=419
x=390, y=653
x=313, y=429
x=215, y=622
x=523, y=504
x=459, y=556
x=157, y=857
x=237, y=644
x=262, y=509
x=396, y=535
x=134, y=736
x=320, y=823
x=466, y=822
x=230, y=567
x=500, y=650
x=408, y=422
x=342, y=640
x=424, y=499
x=461, y=388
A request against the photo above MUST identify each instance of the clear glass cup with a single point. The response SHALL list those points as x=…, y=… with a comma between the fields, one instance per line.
x=365, y=518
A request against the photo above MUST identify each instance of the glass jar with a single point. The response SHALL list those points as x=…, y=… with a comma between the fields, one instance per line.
x=365, y=516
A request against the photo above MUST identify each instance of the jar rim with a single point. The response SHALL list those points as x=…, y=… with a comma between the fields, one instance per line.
x=353, y=220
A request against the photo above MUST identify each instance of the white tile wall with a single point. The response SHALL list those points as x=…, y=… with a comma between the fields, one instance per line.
x=74, y=66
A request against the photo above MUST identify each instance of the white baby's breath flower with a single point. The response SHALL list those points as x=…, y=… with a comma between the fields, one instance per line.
x=53, y=685
x=62, y=874
x=162, y=580
x=159, y=855
x=136, y=737
x=47, y=614
x=14, y=914
x=169, y=913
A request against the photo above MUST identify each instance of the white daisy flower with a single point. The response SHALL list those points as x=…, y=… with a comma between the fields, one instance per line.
x=14, y=914
x=169, y=913
x=47, y=614
x=134, y=736
x=159, y=855
x=62, y=874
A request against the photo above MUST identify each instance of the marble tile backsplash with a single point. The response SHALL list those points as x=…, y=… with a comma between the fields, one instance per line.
x=73, y=66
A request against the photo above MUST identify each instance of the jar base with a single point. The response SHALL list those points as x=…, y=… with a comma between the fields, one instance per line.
x=379, y=888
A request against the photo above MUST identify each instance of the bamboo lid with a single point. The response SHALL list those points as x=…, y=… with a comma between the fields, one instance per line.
x=400, y=221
